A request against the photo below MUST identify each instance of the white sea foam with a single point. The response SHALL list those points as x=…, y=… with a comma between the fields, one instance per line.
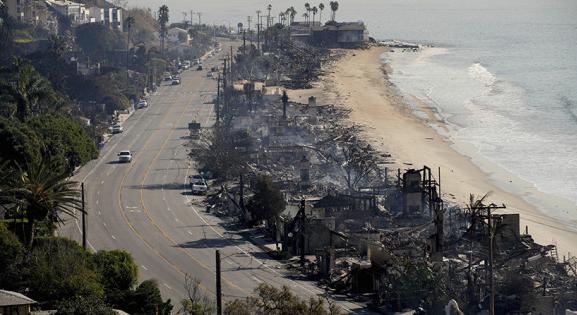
x=480, y=73
x=534, y=143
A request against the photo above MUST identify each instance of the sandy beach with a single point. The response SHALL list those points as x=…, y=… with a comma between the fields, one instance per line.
x=358, y=81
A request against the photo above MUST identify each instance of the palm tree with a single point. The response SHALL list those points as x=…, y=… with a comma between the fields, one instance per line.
x=27, y=88
x=321, y=8
x=315, y=11
x=334, y=8
x=269, y=7
x=308, y=8
x=293, y=14
x=162, y=20
x=43, y=192
x=306, y=16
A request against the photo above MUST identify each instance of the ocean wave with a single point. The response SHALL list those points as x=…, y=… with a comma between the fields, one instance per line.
x=481, y=74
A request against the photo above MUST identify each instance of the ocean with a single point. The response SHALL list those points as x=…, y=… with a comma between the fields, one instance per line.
x=501, y=74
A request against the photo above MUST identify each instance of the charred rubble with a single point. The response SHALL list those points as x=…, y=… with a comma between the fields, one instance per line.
x=359, y=227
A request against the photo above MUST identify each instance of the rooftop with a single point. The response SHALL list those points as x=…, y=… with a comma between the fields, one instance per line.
x=10, y=298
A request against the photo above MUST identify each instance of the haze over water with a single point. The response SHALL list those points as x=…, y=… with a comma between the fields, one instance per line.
x=503, y=75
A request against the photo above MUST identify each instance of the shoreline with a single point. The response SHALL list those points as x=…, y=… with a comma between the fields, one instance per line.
x=359, y=81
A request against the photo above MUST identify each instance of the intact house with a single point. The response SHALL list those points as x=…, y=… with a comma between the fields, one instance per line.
x=14, y=303
x=332, y=34
x=79, y=13
x=178, y=35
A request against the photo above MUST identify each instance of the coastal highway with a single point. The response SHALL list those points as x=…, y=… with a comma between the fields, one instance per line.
x=145, y=206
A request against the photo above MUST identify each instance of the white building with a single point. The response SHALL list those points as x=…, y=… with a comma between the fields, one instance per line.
x=177, y=35
x=80, y=14
x=113, y=18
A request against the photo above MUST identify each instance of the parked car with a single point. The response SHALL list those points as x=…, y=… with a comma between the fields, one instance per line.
x=117, y=129
x=198, y=185
x=176, y=82
x=124, y=157
x=142, y=103
x=168, y=77
x=199, y=68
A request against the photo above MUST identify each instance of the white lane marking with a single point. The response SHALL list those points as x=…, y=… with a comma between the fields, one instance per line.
x=97, y=201
x=104, y=223
x=131, y=207
x=256, y=279
x=143, y=267
x=98, y=192
x=166, y=285
x=101, y=182
x=99, y=213
x=310, y=290
x=189, y=232
x=113, y=237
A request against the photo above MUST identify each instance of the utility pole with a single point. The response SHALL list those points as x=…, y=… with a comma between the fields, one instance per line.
x=258, y=30
x=244, y=42
x=302, y=238
x=490, y=264
x=224, y=86
x=83, y=217
x=241, y=201
x=231, y=62
x=491, y=282
x=191, y=18
x=218, y=100
x=199, y=15
x=218, y=285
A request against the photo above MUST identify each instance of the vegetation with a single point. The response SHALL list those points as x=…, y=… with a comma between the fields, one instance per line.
x=272, y=301
x=162, y=21
x=96, y=40
x=267, y=202
x=59, y=274
x=84, y=306
x=196, y=302
x=119, y=274
x=220, y=152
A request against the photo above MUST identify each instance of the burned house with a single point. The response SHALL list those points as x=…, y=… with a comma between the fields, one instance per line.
x=332, y=34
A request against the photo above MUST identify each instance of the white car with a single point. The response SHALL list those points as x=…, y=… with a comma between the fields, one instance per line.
x=142, y=104
x=124, y=157
x=198, y=185
x=117, y=129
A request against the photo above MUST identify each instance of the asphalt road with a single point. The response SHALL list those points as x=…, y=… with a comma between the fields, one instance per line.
x=145, y=206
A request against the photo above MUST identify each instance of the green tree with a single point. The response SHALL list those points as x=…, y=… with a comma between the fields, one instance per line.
x=11, y=255
x=96, y=40
x=81, y=305
x=269, y=300
x=19, y=143
x=334, y=7
x=267, y=202
x=321, y=8
x=58, y=269
x=25, y=90
x=44, y=194
x=162, y=21
x=65, y=140
x=146, y=300
x=118, y=274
